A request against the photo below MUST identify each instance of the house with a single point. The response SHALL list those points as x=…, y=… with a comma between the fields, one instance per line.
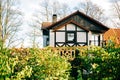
x=112, y=34
x=76, y=29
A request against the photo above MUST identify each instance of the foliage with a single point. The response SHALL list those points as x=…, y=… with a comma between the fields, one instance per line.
x=101, y=61
x=45, y=64
x=92, y=63
x=7, y=67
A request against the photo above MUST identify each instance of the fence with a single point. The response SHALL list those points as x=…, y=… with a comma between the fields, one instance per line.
x=66, y=52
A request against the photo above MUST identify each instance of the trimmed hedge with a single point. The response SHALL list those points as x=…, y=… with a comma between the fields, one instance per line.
x=33, y=64
x=92, y=62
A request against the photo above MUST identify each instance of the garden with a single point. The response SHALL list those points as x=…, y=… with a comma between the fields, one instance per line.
x=89, y=63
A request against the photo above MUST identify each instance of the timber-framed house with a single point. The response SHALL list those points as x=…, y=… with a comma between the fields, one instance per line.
x=76, y=29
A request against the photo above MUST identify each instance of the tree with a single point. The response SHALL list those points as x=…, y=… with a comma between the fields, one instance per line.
x=35, y=23
x=50, y=7
x=116, y=12
x=91, y=10
x=64, y=10
x=45, y=11
x=40, y=15
x=61, y=9
x=44, y=14
x=10, y=20
x=35, y=32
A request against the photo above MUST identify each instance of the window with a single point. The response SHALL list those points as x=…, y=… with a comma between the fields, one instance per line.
x=71, y=36
x=95, y=40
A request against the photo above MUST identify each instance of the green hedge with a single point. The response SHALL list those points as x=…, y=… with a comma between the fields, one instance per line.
x=100, y=63
x=33, y=64
x=95, y=63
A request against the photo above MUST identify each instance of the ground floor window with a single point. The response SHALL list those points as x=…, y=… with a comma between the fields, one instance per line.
x=95, y=40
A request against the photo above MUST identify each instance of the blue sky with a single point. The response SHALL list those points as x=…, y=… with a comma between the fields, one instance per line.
x=28, y=7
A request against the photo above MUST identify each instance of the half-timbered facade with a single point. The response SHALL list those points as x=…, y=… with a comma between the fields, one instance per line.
x=77, y=29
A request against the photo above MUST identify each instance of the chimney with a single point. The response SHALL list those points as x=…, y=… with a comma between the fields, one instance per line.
x=54, y=18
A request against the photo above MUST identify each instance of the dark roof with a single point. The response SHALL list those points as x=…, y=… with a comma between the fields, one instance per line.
x=73, y=22
x=45, y=25
x=79, y=13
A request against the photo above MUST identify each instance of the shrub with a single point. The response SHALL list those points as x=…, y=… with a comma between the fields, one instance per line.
x=7, y=67
x=37, y=64
x=103, y=61
x=45, y=64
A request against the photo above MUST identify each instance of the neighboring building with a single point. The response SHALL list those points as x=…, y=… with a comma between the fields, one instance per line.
x=112, y=34
x=76, y=29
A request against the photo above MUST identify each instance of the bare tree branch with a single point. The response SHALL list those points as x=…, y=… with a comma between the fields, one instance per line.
x=116, y=13
x=91, y=10
x=9, y=22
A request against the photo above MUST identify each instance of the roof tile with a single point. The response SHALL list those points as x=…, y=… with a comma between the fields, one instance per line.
x=46, y=24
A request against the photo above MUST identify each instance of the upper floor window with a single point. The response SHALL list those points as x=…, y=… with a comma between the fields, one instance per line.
x=70, y=36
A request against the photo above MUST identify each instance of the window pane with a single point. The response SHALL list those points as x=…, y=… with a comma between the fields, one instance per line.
x=60, y=36
x=70, y=36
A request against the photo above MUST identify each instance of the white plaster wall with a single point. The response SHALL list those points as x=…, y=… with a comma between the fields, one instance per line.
x=52, y=38
x=62, y=28
x=60, y=36
x=89, y=37
x=70, y=27
x=81, y=36
x=101, y=39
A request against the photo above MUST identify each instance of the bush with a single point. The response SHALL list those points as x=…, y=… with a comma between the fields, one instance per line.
x=101, y=61
x=45, y=64
x=7, y=67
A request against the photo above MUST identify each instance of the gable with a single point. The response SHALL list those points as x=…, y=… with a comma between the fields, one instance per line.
x=82, y=20
x=70, y=25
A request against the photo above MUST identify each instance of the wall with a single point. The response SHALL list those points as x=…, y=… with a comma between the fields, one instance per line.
x=61, y=34
x=52, y=36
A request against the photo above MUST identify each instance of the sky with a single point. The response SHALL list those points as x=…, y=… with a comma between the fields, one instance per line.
x=31, y=5
x=28, y=7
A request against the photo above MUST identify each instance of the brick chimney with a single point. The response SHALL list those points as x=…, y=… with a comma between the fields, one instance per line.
x=54, y=18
